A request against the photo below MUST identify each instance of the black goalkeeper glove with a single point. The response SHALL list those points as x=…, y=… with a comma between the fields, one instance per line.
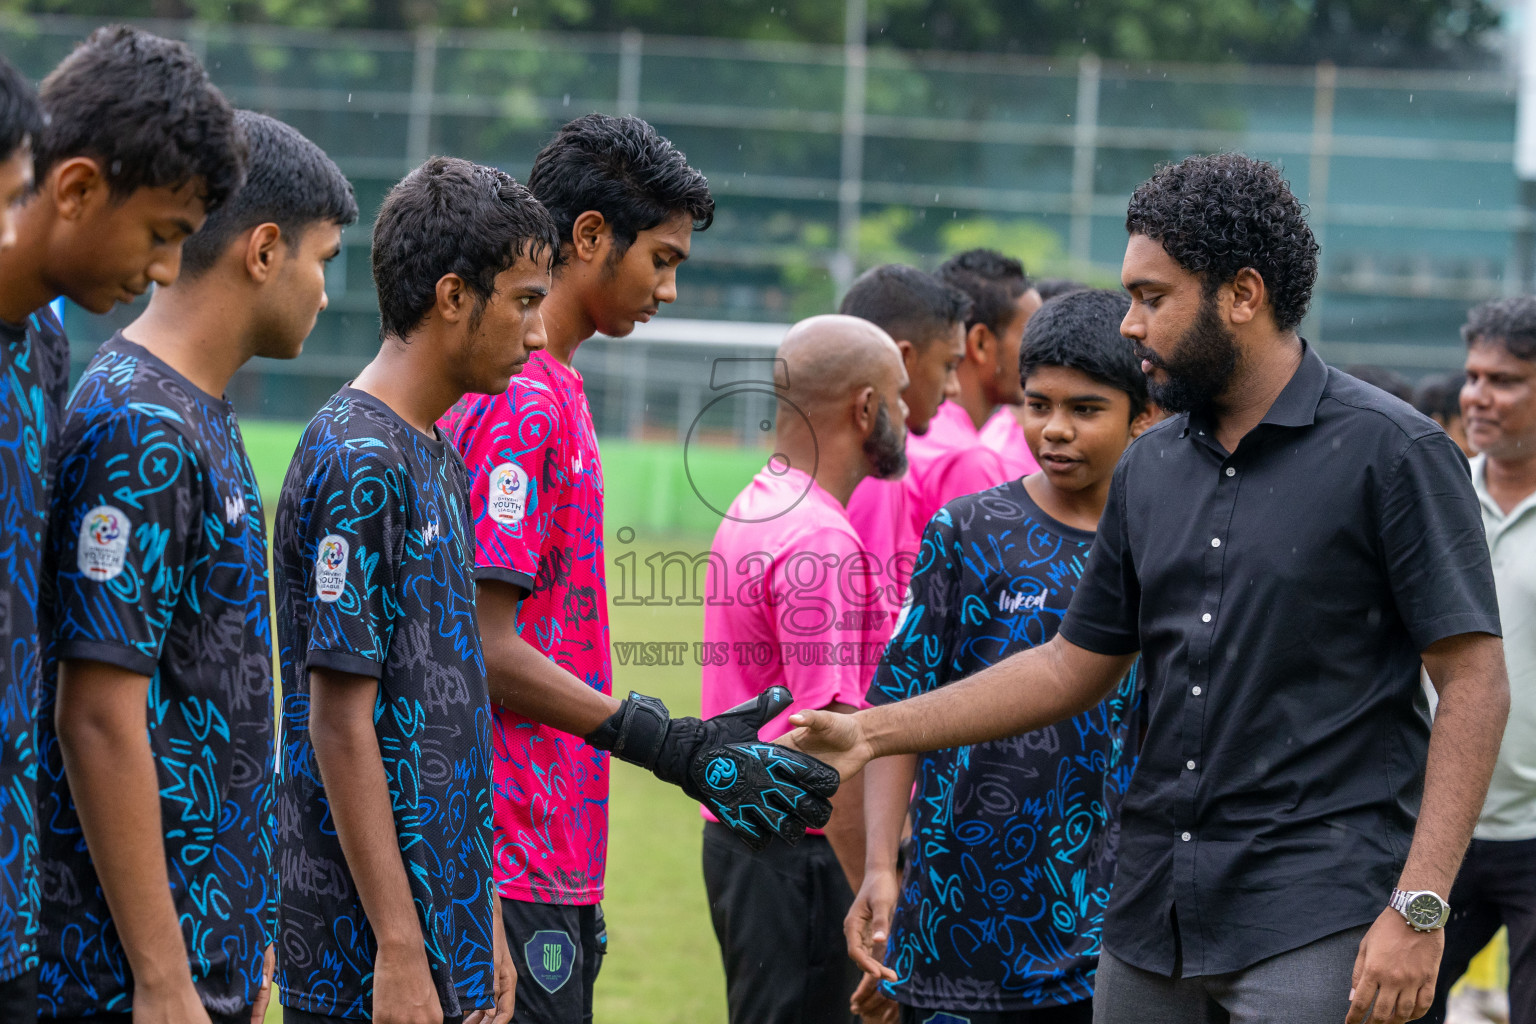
x=756, y=789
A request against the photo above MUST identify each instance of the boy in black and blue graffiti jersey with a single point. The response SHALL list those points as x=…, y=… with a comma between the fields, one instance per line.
x=155, y=843
x=387, y=909
x=130, y=147
x=998, y=915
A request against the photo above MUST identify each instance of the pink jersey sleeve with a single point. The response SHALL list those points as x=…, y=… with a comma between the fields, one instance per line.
x=513, y=446
x=830, y=623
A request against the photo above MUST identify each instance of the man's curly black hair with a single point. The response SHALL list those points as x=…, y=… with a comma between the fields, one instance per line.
x=1217, y=214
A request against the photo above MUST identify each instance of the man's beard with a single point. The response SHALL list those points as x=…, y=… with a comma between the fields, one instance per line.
x=1199, y=368
x=886, y=448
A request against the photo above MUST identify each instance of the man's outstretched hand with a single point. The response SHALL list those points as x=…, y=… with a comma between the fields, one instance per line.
x=758, y=790
x=835, y=740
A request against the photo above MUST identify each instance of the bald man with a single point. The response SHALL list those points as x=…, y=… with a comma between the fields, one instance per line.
x=794, y=604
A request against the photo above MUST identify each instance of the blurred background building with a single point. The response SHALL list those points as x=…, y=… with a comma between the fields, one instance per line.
x=835, y=143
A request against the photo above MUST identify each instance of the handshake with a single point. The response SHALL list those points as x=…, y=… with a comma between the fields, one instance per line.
x=756, y=789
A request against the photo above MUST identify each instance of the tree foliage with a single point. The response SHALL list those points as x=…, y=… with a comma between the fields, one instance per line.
x=1379, y=32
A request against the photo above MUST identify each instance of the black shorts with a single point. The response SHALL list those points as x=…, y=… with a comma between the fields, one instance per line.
x=243, y=1017
x=558, y=951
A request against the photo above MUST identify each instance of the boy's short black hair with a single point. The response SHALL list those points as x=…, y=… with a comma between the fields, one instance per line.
x=1217, y=214
x=1390, y=381
x=622, y=168
x=1509, y=322
x=143, y=108
x=1439, y=396
x=450, y=216
x=907, y=303
x=1054, y=286
x=993, y=281
x=289, y=181
x=1081, y=331
x=21, y=117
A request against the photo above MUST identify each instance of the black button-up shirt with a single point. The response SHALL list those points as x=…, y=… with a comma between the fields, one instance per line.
x=1280, y=595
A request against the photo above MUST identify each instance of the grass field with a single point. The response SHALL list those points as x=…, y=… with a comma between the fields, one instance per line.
x=663, y=966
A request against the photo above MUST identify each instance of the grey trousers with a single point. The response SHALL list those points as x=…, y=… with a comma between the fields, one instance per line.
x=1309, y=985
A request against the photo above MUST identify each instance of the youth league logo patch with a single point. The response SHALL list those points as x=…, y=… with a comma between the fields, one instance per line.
x=331, y=568
x=103, y=546
x=550, y=956
x=507, y=497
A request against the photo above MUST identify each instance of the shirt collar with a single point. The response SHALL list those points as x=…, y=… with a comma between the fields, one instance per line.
x=1296, y=405
x=1480, y=485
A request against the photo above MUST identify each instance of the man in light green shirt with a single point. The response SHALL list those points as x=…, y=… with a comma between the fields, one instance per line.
x=1497, y=882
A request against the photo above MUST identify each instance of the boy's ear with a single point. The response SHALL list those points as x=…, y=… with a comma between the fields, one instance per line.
x=261, y=251
x=588, y=235
x=980, y=343
x=908, y=352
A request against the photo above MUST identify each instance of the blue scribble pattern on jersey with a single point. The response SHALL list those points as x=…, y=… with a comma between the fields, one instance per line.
x=34, y=379
x=1013, y=841
x=374, y=566
x=189, y=609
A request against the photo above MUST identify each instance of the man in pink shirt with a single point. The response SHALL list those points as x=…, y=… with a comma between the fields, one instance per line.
x=792, y=603
x=954, y=458
x=926, y=317
x=626, y=204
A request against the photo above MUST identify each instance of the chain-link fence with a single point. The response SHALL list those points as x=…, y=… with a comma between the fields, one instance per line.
x=827, y=159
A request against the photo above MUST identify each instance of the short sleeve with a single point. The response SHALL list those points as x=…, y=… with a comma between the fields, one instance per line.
x=1435, y=548
x=126, y=516
x=512, y=446
x=829, y=620
x=352, y=545
x=1105, y=611
x=919, y=656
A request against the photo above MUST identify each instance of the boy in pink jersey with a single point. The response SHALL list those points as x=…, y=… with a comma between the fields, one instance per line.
x=927, y=319
x=793, y=604
x=952, y=458
x=626, y=204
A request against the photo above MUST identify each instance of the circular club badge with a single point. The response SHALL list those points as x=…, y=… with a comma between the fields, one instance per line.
x=103, y=546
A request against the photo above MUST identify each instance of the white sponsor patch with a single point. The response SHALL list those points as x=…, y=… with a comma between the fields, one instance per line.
x=103, y=543
x=331, y=568
x=507, y=497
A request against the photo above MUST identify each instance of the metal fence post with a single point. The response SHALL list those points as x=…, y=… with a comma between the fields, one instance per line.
x=1324, y=93
x=850, y=190
x=1084, y=157
x=418, y=138
x=630, y=49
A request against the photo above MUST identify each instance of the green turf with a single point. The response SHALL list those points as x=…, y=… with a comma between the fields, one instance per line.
x=663, y=965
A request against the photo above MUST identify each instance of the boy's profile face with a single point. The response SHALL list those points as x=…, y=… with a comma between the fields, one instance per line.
x=107, y=249
x=295, y=289
x=1076, y=426
x=1006, y=389
x=15, y=182
x=498, y=342
x=636, y=284
x=931, y=376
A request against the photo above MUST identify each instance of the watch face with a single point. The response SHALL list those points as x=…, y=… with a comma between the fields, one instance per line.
x=1424, y=910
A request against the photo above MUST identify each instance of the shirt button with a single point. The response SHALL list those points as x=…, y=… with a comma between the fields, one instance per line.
x=1195, y=690
x=1206, y=617
x=1215, y=542
x=1190, y=765
x=1186, y=837
x=1231, y=471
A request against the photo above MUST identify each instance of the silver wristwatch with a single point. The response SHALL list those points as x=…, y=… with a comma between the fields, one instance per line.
x=1424, y=910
